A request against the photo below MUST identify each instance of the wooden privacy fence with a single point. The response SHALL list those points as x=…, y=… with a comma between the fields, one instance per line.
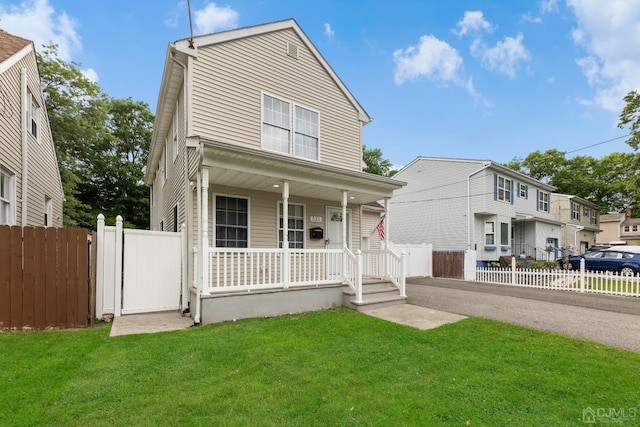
x=44, y=276
x=449, y=264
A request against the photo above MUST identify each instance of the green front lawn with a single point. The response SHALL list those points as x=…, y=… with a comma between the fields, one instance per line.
x=337, y=368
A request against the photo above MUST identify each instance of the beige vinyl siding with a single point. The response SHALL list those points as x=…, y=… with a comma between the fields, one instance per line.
x=43, y=176
x=263, y=214
x=370, y=222
x=228, y=81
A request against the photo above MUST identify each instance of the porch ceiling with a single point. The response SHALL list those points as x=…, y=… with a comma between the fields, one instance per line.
x=258, y=170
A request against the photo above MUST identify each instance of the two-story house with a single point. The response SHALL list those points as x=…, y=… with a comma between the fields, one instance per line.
x=257, y=150
x=30, y=186
x=619, y=229
x=581, y=222
x=460, y=204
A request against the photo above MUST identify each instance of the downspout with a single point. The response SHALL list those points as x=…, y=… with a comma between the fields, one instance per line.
x=187, y=206
x=486, y=165
x=24, y=188
x=199, y=271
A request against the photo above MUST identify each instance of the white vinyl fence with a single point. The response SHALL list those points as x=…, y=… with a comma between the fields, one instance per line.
x=600, y=282
x=419, y=258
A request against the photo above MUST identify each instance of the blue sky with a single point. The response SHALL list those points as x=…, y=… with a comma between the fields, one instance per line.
x=480, y=79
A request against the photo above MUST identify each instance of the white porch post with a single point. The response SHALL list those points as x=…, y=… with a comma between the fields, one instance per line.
x=344, y=218
x=285, y=234
x=385, y=256
x=204, y=252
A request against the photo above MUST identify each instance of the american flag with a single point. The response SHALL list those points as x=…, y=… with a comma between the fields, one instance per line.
x=380, y=228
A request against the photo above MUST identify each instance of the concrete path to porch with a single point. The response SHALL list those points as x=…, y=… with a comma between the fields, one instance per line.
x=149, y=323
x=609, y=320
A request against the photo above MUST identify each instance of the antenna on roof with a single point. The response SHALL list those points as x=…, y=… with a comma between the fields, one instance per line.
x=190, y=26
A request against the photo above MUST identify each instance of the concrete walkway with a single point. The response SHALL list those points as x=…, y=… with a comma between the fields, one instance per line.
x=609, y=320
x=149, y=323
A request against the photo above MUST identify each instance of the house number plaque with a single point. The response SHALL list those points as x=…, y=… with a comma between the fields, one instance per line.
x=315, y=219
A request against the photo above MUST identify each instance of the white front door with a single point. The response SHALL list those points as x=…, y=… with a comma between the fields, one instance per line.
x=334, y=228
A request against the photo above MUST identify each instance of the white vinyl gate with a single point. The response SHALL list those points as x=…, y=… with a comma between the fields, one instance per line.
x=139, y=269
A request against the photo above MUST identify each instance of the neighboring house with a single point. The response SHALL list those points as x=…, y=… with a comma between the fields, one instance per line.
x=257, y=150
x=581, y=222
x=458, y=204
x=30, y=186
x=619, y=229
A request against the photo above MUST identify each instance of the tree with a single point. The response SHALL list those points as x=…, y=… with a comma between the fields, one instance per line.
x=101, y=145
x=375, y=163
x=631, y=116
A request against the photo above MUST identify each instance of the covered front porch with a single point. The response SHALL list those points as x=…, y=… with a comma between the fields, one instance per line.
x=302, y=248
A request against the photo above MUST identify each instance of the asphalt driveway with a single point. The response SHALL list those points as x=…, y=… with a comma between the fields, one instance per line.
x=610, y=320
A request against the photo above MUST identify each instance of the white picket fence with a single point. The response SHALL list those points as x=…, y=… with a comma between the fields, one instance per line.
x=600, y=282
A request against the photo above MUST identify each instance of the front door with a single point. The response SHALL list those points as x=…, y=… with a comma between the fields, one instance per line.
x=334, y=241
x=334, y=228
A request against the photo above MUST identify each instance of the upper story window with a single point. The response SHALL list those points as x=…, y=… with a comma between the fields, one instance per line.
x=175, y=133
x=289, y=128
x=48, y=211
x=594, y=217
x=33, y=116
x=503, y=188
x=630, y=228
x=7, y=197
x=523, y=191
x=585, y=212
x=575, y=211
x=295, y=226
x=231, y=222
x=543, y=201
x=163, y=163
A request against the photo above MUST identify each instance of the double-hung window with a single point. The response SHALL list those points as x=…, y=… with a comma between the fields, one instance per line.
x=504, y=189
x=175, y=133
x=543, y=201
x=289, y=128
x=295, y=226
x=7, y=198
x=575, y=211
x=523, y=191
x=33, y=116
x=232, y=222
x=48, y=211
x=489, y=233
x=594, y=217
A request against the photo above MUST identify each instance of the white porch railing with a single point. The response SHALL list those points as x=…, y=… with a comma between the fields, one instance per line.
x=386, y=264
x=228, y=269
x=609, y=283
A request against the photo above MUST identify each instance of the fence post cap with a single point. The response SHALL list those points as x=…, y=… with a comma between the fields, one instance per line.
x=119, y=218
x=101, y=217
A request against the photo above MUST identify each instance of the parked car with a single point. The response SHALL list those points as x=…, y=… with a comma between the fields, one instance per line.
x=596, y=248
x=623, y=259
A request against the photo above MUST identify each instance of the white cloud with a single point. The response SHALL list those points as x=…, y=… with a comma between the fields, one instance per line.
x=434, y=59
x=549, y=6
x=472, y=21
x=530, y=18
x=90, y=74
x=328, y=31
x=505, y=58
x=214, y=18
x=37, y=20
x=174, y=15
x=608, y=33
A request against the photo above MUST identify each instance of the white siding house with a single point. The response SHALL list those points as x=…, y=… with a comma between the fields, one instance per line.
x=257, y=150
x=459, y=204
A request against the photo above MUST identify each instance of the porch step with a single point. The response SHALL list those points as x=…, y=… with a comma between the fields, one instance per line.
x=375, y=294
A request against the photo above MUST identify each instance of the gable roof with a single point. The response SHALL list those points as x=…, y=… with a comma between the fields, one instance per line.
x=487, y=164
x=10, y=45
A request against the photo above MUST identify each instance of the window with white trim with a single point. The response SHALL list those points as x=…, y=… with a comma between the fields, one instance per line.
x=523, y=191
x=175, y=133
x=48, y=211
x=575, y=211
x=594, y=217
x=489, y=233
x=33, y=116
x=163, y=163
x=543, y=201
x=231, y=222
x=504, y=189
x=295, y=226
x=504, y=234
x=7, y=197
x=289, y=128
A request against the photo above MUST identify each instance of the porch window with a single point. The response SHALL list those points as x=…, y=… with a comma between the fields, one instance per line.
x=575, y=211
x=489, y=233
x=295, y=226
x=289, y=129
x=232, y=222
x=7, y=197
x=503, y=190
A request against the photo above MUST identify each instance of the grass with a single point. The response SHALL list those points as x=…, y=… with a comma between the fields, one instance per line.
x=337, y=367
